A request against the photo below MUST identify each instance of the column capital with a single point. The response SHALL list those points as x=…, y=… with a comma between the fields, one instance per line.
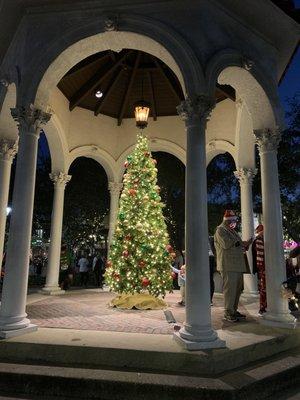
x=8, y=149
x=245, y=175
x=267, y=139
x=115, y=187
x=196, y=108
x=60, y=179
x=29, y=118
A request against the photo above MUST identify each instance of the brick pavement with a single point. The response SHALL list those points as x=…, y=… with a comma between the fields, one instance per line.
x=89, y=309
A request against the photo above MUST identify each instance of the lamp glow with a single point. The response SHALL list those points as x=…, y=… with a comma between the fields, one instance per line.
x=141, y=113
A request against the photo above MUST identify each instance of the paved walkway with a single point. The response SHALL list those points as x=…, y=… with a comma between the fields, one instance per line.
x=89, y=310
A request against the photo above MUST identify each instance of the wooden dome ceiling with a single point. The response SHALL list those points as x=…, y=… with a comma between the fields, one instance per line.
x=125, y=78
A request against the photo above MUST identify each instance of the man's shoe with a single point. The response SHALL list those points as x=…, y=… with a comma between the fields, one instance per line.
x=240, y=316
x=230, y=318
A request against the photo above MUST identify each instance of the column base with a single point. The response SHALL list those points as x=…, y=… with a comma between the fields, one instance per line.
x=284, y=320
x=193, y=345
x=52, y=291
x=17, y=332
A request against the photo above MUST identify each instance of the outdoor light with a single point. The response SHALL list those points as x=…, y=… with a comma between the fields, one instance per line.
x=141, y=113
x=98, y=94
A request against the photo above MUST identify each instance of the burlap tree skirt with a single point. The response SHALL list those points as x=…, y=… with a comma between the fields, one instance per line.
x=139, y=301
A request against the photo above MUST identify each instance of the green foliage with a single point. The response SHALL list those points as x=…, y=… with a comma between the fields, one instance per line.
x=86, y=204
x=139, y=255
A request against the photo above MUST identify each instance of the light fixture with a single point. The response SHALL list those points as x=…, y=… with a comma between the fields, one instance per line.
x=98, y=94
x=141, y=113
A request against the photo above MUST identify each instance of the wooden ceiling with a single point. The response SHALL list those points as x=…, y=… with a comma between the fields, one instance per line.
x=125, y=78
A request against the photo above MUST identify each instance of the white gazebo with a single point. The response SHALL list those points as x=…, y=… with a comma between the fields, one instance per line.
x=209, y=45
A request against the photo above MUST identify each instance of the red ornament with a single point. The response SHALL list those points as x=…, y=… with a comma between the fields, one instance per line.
x=116, y=276
x=126, y=163
x=132, y=192
x=128, y=236
x=169, y=248
x=108, y=264
x=125, y=253
x=145, y=282
x=142, y=263
x=147, y=154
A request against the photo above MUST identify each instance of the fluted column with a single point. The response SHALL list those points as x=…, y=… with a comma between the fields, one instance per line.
x=197, y=332
x=51, y=287
x=8, y=150
x=245, y=177
x=278, y=313
x=12, y=313
x=115, y=190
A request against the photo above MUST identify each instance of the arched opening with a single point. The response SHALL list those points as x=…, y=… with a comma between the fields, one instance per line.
x=86, y=210
x=171, y=179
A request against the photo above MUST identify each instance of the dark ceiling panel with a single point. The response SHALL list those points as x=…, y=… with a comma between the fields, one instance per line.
x=117, y=69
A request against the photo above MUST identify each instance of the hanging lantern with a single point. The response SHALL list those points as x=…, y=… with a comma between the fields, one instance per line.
x=141, y=113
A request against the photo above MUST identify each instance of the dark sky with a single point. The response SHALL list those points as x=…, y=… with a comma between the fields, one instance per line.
x=291, y=82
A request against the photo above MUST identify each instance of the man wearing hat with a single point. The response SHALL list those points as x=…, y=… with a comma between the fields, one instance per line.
x=258, y=253
x=231, y=264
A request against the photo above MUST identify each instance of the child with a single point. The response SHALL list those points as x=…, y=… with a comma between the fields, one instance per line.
x=181, y=283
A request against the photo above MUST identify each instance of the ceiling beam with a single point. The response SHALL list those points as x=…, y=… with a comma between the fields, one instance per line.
x=227, y=91
x=81, y=69
x=129, y=87
x=109, y=89
x=152, y=98
x=170, y=84
x=94, y=81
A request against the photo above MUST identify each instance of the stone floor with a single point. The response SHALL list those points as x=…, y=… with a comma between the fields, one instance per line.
x=89, y=310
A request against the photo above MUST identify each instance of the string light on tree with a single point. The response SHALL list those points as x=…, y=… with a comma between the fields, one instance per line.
x=140, y=254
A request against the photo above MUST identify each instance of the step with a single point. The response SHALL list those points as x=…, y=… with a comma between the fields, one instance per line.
x=256, y=382
x=149, y=353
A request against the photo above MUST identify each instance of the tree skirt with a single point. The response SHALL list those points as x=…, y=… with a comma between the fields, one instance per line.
x=140, y=301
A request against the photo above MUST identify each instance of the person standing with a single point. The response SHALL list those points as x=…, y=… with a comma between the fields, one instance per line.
x=83, y=264
x=258, y=253
x=231, y=263
x=212, y=266
x=98, y=265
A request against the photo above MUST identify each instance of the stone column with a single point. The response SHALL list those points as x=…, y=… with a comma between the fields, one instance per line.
x=197, y=332
x=13, y=319
x=115, y=190
x=278, y=313
x=245, y=177
x=8, y=149
x=60, y=180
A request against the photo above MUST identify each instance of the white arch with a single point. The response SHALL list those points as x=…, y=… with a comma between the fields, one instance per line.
x=216, y=147
x=8, y=127
x=99, y=155
x=116, y=41
x=252, y=93
x=155, y=144
x=57, y=144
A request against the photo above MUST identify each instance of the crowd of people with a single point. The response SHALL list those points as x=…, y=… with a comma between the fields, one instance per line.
x=227, y=256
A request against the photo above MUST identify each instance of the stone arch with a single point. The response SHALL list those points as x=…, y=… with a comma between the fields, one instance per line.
x=140, y=33
x=216, y=147
x=8, y=127
x=57, y=144
x=252, y=83
x=97, y=154
x=155, y=145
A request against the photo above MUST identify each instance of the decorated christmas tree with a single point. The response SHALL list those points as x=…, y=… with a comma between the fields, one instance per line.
x=140, y=255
